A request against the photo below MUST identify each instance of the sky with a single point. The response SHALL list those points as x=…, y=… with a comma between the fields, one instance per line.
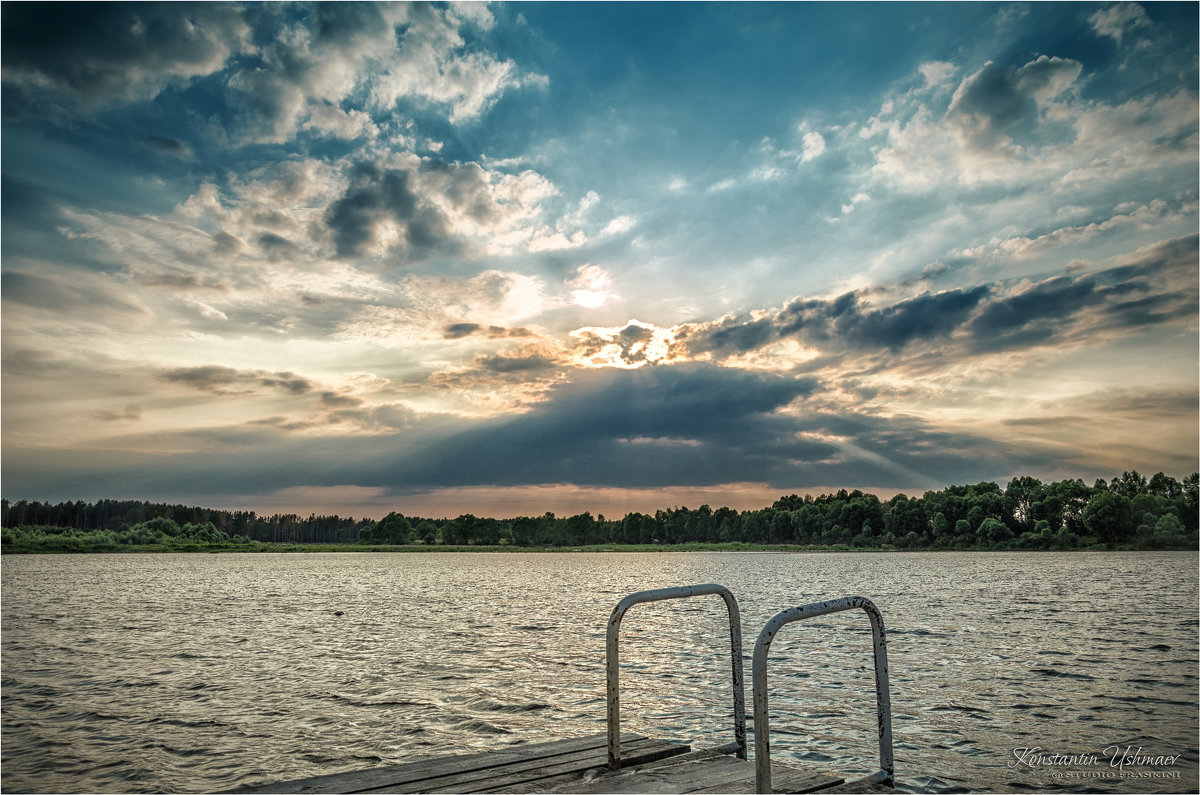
x=505, y=259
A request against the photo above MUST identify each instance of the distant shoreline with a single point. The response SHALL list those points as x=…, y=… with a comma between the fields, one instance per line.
x=269, y=548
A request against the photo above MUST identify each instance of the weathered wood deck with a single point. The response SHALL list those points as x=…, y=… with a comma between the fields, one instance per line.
x=570, y=766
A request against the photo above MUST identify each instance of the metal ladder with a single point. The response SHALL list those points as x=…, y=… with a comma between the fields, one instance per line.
x=613, y=668
x=762, y=749
x=883, y=703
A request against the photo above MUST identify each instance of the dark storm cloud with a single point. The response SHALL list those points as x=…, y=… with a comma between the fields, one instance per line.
x=1033, y=317
x=374, y=198
x=844, y=323
x=922, y=318
x=276, y=248
x=588, y=432
x=98, y=53
x=736, y=337
x=995, y=99
x=223, y=380
x=343, y=24
x=455, y=331
x=700, y=425
x=1158, y=288
x=692, y=425
x=464, y=184
x=332, y=400
x=516, y=363
x=169, y=146
x=130, y=413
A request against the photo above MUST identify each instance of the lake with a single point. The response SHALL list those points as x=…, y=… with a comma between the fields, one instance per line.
x=199, y=673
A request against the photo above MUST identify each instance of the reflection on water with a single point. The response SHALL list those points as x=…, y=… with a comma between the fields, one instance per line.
x=198, y=673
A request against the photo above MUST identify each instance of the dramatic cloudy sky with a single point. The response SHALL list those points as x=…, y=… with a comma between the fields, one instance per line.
x=505, y=259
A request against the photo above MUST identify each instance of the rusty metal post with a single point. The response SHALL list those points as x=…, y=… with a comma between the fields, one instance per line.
x=612, y=661
x=762, y=744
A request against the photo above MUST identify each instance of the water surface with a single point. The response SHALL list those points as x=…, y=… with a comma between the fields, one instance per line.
x=199, y=673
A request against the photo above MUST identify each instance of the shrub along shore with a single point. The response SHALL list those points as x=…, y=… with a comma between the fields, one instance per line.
x=1130, y=512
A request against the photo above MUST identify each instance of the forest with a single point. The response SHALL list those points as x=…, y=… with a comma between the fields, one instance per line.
x=1129, y=512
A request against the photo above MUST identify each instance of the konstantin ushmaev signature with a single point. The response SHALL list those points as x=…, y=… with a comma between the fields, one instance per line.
x=1119, y=760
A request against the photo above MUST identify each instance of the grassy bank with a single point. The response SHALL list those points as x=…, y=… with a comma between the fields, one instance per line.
x=259, y=547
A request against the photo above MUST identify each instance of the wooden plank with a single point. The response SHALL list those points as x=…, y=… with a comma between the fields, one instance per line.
x=858, y=786
x=540, y=769
x=565, y=783
x=783, y=780
x=700, y=771
x=361, y=780
x=576, y=765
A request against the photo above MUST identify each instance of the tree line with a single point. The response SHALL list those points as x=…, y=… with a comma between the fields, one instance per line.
x=1131, y=511
x=120, y=515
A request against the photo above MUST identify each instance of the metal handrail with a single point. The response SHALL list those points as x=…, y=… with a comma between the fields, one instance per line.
x=613, y=663
x=762, y=745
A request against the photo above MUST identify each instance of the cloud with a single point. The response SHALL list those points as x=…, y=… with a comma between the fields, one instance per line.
x=518, y=362
x=579, y=434
x=937, y=72
x=592, y=287
x=57, y=290
x=333, y=400
x=699, y=425
x=1021, y=124
x=1155, y=289
x=434, y=63
x=1118, y=19
x=855, y=200
x=733, y=337
x=102, y=54
x=456, y=331
x=130, y=413
x=1152, y=287
x=331, y=70
x=1157, y=213
x=994, y=100
x=170, y=146
x=227, y=380
x=844, y=321
x=380, y=212
x=630, y=346
x=812, y=147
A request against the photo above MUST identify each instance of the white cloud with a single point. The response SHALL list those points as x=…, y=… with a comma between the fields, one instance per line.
x=433, y=63
x=856, y=200
x=937, y=72
x=419, y=308
x=1118, y=19
x=327, y=76
x=1156, y=214
x=1024, y=126
x=813, y=146
x=592, y=287
x=622, y=223
x=334, y=122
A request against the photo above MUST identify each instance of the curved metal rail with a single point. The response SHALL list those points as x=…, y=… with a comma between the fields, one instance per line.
x=762, y=745
x=613, y=662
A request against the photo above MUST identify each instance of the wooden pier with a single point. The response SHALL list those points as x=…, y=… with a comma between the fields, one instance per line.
x=614, y=763
x=577, y=765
